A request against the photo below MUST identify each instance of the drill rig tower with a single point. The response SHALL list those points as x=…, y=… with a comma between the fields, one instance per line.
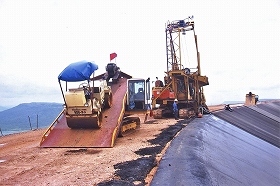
x=180, y=82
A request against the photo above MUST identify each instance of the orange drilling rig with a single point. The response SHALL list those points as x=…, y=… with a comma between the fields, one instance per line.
x=182, y=82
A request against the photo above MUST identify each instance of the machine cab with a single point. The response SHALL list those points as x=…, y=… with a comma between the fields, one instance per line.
x=137, y=94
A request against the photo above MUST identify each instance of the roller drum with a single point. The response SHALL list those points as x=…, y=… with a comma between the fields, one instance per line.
x=83, y=122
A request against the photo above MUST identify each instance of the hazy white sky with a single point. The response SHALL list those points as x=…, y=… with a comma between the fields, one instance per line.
x=238, y=42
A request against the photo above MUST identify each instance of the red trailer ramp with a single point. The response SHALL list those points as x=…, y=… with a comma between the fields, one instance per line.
x=60, y=135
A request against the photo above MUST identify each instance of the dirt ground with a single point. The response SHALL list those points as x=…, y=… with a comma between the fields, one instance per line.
x=132, y=161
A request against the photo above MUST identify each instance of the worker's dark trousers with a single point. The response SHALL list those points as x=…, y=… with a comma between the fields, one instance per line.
x=176, y=114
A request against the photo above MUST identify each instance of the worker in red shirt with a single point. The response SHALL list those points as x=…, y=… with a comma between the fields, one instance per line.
x=158, y=83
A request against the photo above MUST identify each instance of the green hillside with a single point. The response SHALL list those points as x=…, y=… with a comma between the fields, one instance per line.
x=16, y=119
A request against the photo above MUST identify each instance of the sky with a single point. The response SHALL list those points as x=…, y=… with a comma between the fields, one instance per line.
x=238, y=43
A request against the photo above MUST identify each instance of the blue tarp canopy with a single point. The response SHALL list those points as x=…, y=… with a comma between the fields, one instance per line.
x=78, y=71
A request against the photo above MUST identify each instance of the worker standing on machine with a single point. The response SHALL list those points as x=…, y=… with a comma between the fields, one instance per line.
x=175, y=109
x=158, y=83
x=87, y=92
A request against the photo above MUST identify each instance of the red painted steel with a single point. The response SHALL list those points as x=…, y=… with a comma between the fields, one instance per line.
x=63, y=136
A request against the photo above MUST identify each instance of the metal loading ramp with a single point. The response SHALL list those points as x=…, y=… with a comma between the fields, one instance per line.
x=61, y=135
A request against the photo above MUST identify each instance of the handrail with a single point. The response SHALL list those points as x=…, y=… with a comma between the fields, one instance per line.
x=165, y=88
x=119, y=121
x=51, y=127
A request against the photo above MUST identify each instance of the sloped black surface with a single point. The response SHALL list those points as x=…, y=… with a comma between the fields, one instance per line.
x=261, y=120
x=272, y=108
x=210, y=151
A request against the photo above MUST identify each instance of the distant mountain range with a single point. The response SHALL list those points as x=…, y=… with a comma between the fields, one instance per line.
x=18, y=118
x=3, y=108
